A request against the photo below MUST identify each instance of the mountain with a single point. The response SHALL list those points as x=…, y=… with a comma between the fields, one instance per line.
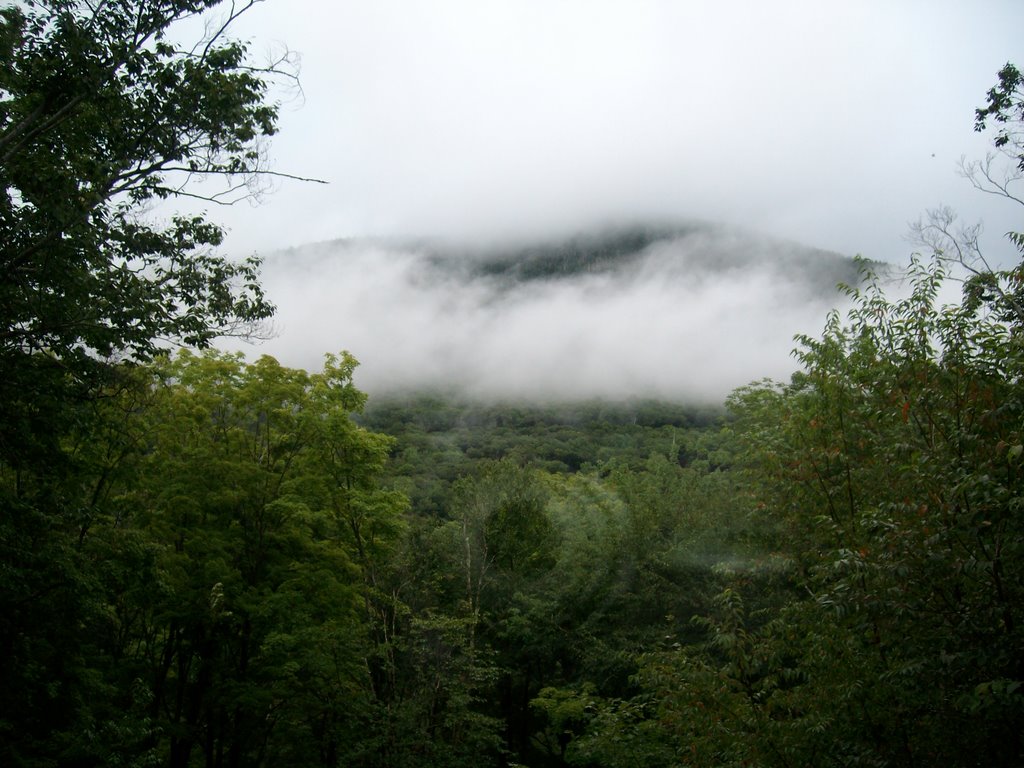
x=699, y=247
x=679, y=312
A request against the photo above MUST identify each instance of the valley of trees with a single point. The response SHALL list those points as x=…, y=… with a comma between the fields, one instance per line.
x=212, y=561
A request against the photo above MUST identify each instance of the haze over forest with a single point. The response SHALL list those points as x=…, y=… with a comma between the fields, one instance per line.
x=679, y=313
x=789, y=122
x=579, y=537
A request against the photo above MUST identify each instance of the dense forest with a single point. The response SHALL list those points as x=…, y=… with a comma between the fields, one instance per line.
x=211, y=560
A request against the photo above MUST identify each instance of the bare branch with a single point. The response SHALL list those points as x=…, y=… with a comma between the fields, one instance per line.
x=985, y=178
x=215, y=30
x=939, y=234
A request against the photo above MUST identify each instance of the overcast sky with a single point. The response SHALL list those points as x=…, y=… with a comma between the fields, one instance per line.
x=830, y=123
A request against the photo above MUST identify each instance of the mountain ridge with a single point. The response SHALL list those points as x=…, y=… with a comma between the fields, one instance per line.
x=601, y=250
x=677, y=312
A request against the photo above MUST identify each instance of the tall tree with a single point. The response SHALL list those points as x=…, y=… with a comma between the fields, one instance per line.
x=259, y=496
x=101, y=115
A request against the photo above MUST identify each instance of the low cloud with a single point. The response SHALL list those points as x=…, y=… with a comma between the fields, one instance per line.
x=687, y=317
x=834, y=124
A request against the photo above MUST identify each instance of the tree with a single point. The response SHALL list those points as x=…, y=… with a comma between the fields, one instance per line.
x=101, y=115
x=254, y=638
x=218, y=607
x=890, y=468
x=999, y=174
x=1006, y=108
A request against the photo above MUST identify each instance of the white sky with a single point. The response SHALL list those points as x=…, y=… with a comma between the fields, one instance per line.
x=830, y=123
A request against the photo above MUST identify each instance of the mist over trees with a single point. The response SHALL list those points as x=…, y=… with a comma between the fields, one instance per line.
x=686, y=311
x=207, y=560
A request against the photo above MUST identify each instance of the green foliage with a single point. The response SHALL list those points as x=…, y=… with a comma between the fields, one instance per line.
x=227, y=541
x=885, y=628
x=261, y=494
x=433, y=713
x=199, y=561
x=1006, y=108
x=101, y=114
x=440, y=439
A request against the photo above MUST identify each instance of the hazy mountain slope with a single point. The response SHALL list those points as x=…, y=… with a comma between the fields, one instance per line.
x=693, y=247
x=682, y=313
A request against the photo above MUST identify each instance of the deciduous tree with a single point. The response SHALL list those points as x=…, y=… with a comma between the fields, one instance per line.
x=102, y=114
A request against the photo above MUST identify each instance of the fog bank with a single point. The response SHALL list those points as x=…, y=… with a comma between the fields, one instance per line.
x=684, y=316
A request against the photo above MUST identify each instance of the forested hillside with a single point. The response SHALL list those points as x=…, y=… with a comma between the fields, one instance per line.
x=207, y=559
x=696, y=248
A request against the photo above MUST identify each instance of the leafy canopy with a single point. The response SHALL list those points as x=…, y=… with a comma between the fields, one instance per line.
x=101, y=116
